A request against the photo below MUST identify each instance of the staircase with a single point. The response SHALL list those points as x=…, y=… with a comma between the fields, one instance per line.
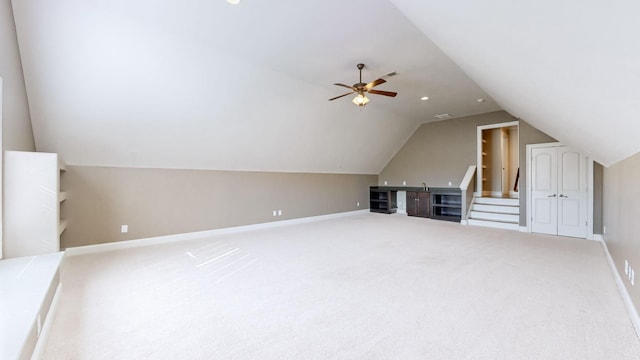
x=502, y=213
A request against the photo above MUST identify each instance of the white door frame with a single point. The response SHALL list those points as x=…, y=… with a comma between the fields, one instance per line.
x=589, y=187
x=1, y=167
x=480, y=128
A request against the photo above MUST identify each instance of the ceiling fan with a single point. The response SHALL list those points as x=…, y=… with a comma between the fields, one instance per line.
x=362, y=88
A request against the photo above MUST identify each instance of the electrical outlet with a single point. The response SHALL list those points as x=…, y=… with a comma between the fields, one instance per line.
x=124, y=229
x=385, y=182
x=275, y=213
x=633, y=277
x=404, y=183
x=449, y=183
x=358, y=204
x=626, y=267
x=604, y=229
x=279, y=212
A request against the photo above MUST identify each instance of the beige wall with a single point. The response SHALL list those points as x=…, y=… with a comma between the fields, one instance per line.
x=16, y=123
x=442, y=151
x=598, y=173
x=155, y=202
x=621, y=199
x=439, y=152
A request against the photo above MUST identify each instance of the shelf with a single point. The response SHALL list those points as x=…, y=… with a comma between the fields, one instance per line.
x=446, y=204
x=382, y=200
x=32, y=224
x=62, y=226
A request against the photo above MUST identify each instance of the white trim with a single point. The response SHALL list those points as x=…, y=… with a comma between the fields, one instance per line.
x=46, y=327
x=589, y=198
x=523, y=229
x=464, y=222
x=479, y=147
x=633, y=313
x=466, y=180
x=598, y=237
x=90, y=249
x=1, y=170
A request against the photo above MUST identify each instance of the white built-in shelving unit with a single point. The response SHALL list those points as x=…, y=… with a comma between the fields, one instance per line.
x=32, y=201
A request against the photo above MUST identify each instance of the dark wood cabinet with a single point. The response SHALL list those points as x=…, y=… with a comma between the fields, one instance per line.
x=418, y=203
x=446, y=204
x=382, y=200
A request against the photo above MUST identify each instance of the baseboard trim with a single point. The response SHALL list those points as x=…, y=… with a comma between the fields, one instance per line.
x=523, y=229
x=595, y=237
x=633, y=313
x=46, y=327
x=127, y=244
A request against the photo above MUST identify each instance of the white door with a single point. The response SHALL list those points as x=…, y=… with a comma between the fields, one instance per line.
x=558, y=192
x=572, y=193
x=544, y=190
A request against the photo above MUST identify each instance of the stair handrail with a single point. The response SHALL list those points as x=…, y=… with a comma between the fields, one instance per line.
x=467, y=187
x=468, y=177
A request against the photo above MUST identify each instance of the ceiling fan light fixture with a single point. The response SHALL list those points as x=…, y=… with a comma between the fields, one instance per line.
x=361, y=88
x=361, y=99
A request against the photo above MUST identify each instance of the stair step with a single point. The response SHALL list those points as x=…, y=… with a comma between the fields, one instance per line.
x=497, y=201
x=494, y=216
x=496, y=208
x=493, y=224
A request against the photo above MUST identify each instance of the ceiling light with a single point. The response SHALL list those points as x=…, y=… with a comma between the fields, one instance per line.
x=361, y=99
x=481, y=100
x=233, y=2
x=443, y=116
x=424, y=98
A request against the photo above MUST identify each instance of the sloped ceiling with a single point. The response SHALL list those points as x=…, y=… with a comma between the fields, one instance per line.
x=571, y=68
x=203, y=84
x=206, y=85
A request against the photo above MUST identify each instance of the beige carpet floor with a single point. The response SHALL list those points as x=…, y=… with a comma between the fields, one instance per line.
x=368, y=286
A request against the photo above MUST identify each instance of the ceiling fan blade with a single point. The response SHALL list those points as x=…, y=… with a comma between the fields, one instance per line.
x=347, y=86
x=375, y=83
x=381, y=92
x=338, y=97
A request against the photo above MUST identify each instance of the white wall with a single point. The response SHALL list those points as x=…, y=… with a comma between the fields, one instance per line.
x=16, y=125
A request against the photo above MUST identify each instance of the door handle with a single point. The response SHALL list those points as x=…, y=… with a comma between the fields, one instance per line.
x=554, y=195
x=564, y=196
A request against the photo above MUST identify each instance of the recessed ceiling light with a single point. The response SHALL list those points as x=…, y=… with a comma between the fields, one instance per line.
x=443, y=116
x=424, y=98
x=481, y=100
x=233, y=2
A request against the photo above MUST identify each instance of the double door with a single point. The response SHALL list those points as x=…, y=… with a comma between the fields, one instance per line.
x=558, y=191
x=418, y=203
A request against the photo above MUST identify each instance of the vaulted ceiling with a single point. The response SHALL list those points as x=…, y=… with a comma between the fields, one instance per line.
x=203, y=84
